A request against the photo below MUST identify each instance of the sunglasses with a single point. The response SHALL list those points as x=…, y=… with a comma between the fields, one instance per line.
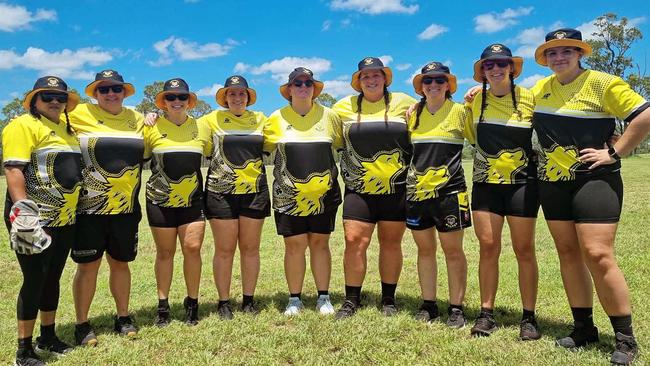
x=105, y=89
x=438, y=80
x=489, y=65
x=49, y=97
x=173, y=97
x=299, y=83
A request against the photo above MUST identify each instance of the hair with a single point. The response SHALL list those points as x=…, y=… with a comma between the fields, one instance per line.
x=386, y=102
x=483, y=99
x=421, y=104
x=34, y=112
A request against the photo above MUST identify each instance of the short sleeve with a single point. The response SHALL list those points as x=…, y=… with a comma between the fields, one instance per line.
x=206, y=136
x=621, y=100
x=148, y=141
x=469, y=129
x=271, y=132
x=19, y=140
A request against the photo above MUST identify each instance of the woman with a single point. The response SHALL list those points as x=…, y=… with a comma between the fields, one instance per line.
x=373, y=163
x=177, y=145
x=436, y=194
x=237, y=195
x=574, y=118
x=306, y=192
x=40, y=207
x=504, y=185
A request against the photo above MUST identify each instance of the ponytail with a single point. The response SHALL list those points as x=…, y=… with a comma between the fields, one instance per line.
x=514, y=97
x=421, y=104
x=483, y=100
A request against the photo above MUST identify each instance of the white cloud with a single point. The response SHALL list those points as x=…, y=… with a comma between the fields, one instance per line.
x=386, y=59
x=281, y=68
x=339, y=87
x=209, y=90
x=589, y=28
x=179, y=48
x=432, y=31
x=374, y=6
x=66, y=63
x=530, y=38
x=402, y=67
x=466, y=81
x=410, y=78
x=494, y=22
x=531, y=80
x=326, y=25
x=15, y=17
x=346, y=22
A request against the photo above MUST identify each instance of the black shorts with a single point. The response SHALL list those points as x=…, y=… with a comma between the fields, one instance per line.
x=446, y=213
x=115, y=234
x=288, y=225
x=594, y=200
x=374, y=207
x=231, y=206
x=507, y=199
x=159, y=216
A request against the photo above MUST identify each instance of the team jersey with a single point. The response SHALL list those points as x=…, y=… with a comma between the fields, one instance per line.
x=436, y=167
x=112, y=147
x=176, y=152
x=237, y=165
x=305, y=175
x=52, y=166
x=581, y=114
x=503, y=140
x=376, y=152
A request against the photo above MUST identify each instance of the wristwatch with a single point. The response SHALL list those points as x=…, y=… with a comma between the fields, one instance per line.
x=612, y=152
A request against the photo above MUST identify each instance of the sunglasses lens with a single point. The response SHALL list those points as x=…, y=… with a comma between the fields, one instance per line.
x=440, y=80
x=183, y=97
x=61, y=98
x=106, y=89
x=308, y=83
x=173, y=97
x=170, y=97
x=427, y=81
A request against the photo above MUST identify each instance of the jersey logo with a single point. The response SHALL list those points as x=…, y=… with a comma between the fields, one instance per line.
x=243, y=182
x=428, y=183
x=309, y=195
x=545, y=96
x=559, y=163
x=131, y=124
x=69, y=207
x=117, y=199
x=499, y=169
x=181, y=191
x=226, y=120
x=100, y=122
x=380, y=173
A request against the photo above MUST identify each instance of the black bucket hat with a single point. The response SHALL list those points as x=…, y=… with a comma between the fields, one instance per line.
x=434, y=69
x=564, y=37
x=175, y=86
x=51, y=83
x=114, y=77
x=297, y=72
x=235, y=81
x=370, y=63
x=497, y=51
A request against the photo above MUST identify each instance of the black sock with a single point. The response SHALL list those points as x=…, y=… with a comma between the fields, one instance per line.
x=429, y=305
x=298, y=295
x=163, y=304
x=583, y=317
x=622, y=324
x=528, y=314
x=223, y=302
x=47, y=331
x=452, y=307
x=192, y=301
x=246, y=299
x=353, y=293
x=388, y=290
x=487, y=311
x=321, y=293
x=24, y=344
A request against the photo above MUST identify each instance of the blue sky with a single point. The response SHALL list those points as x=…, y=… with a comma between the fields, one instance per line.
x=204, y=41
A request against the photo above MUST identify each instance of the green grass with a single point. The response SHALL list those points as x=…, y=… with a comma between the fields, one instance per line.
x=367, y=338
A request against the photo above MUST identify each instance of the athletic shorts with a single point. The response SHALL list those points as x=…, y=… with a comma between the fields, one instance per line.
x=374, y=207
x=446, y=213
x=288, y=225
x=115, y=234
x=231, y=206
x=593, y=200
x=506, y=199
x=159, y=216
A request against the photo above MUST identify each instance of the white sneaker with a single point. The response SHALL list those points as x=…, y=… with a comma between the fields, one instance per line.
x=324, y=306
x=294, y=307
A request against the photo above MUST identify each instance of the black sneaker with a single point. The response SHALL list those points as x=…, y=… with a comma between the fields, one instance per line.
x=529, y=330
x=28, y=357
x=250, y=308
x=427, y=314
x=347, y=310
x=191, y=312
x=388, y=307
x=456, y=318
x=164, y=317
x=53, y=345
x=484, y=326
x=124, y=326
x=625, y=350
x=225, y=311
x=579, y=337
x=84, y=335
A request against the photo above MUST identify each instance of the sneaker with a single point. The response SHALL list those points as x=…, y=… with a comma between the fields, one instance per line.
x=347, y=310
x=427, y=314
x=84, y=335
x=579, y=337
x=191, y=312
x=53, y=345
x=124, y=326
x=28, y=358
x=529, y=330
x=625, y=350
x=294, y=307
x=484, y=326
x=324, y=306
x=250, y=308
x=225, y=311
x=456, y=318
x=388, y=307
x=164, y=317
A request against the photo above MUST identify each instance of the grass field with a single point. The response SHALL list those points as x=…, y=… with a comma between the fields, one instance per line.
x=368, y=338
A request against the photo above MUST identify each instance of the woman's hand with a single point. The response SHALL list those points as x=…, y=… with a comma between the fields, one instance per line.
x=150, y=119
x=597, y=157
x=410, y=111
x=471, y=93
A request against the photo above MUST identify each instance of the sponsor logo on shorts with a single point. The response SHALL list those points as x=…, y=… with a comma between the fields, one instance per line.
x=451, y=221
x=84, y=253
x=413, y=221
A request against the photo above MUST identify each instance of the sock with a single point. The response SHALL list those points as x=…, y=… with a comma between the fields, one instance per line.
x=388, y=291
x=353, y=293
x=528, y=314
x=163, y=304
x=47, y=331
x=223, y=302
x=246, y=299
x=459, y=307
x=298, y=295
x=622, y=324
x=24, y=344
x=321, y=293
x=124, y=319
x=489, y=311
x=583, y=317
x=429, y=305
x=192, y=301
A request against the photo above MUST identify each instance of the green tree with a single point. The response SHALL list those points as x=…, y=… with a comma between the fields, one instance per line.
x=326, y=100
x=12, y=110
x=148, y=103
x=202, y=108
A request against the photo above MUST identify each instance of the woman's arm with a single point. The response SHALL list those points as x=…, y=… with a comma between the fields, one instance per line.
x=15, y=182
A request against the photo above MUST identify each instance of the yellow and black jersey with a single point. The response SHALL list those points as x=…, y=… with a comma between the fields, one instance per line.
x=51, y=162
x=436, y=166
x=237, y=165
x=503, y=140
x=305, y=175
x=176, y=152
x=112, y=147
x=581, y=114
x=376, y=152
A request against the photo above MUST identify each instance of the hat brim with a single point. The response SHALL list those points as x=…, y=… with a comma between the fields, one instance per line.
x=451, y=79
x=518, y=65
x=160, y=99
x=128, y=88
x=220, y=96
x=318, y=88
x=356, y=84
x=73, y=98
x=540, y=57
